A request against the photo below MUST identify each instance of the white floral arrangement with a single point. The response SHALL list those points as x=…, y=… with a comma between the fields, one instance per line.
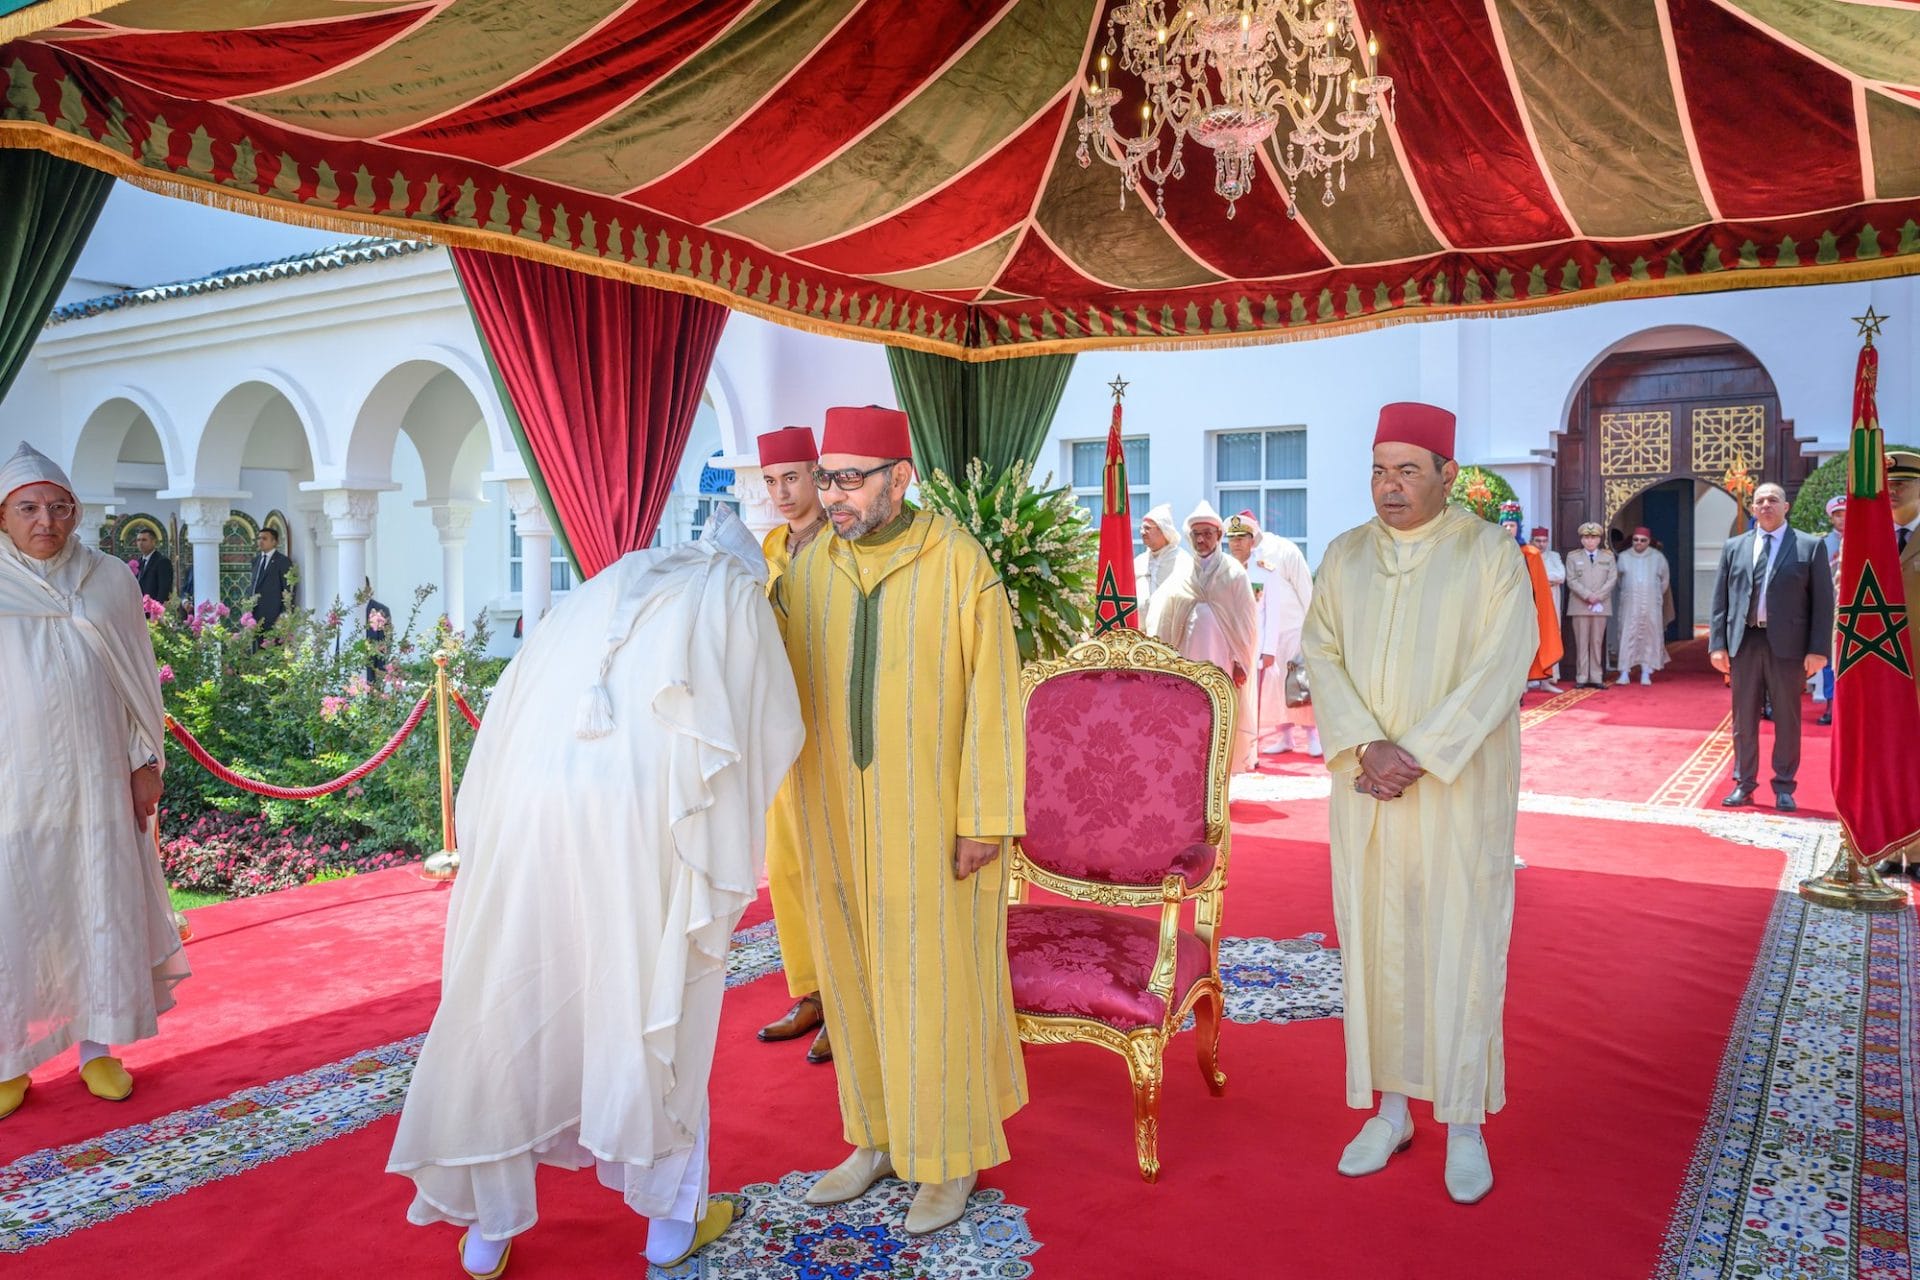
x=1040, y=541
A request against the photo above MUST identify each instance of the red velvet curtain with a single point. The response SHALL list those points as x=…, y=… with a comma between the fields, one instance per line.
x=605, y=378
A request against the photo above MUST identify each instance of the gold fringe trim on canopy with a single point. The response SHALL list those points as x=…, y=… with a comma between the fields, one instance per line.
x=35, y=136
x=1716, y=282
x=27, y=135
x=48, y=13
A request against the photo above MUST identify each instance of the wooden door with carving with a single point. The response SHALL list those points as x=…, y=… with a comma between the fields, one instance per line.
x=1644, y=417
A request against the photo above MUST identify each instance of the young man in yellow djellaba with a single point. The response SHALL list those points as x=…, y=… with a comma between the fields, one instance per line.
x=787, y=460
x=909, y=787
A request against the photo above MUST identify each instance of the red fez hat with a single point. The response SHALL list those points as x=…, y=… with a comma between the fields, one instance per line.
x=1538, y=532
x=868, y=432
x=1406, y=422
x=788, y=444
x=1643, y=532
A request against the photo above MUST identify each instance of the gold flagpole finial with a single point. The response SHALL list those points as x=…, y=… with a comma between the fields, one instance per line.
x=1118, y=386
x=1870, y=324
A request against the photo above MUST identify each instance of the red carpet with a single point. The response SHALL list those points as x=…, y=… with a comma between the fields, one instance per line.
x=1666, y=743
x=1611, y=1059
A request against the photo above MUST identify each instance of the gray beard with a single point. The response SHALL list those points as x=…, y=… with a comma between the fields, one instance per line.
x=883, y=515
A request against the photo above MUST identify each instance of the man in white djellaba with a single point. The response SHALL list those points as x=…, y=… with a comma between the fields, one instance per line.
x=89, y=954
x=614, y=820
x=1645, y=608
x=1282, y=588
x=1164, y=557
x=1206, y=612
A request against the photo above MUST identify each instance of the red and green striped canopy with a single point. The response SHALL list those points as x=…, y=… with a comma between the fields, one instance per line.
x=905, y=172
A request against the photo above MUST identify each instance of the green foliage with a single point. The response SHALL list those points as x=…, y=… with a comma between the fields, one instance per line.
x=1038, y=539
x=1480, y=491
x=1809, y=510
x=293, y=705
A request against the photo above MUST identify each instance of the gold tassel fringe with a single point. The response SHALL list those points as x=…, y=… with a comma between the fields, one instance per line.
x=31, y=135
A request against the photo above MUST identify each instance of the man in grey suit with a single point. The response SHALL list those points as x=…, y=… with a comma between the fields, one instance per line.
x=1773, y=629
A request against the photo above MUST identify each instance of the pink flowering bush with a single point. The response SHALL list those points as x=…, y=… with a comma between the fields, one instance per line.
x=245, y=855
x=301, y=703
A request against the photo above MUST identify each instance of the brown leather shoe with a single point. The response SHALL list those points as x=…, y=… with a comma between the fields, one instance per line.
x=821, y=1050
x=802, y=1018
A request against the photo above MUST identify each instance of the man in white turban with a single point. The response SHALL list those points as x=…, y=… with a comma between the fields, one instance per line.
x=1282, y=590
x=88, y=950
x=614, y=813
x=1163, y=558
x=1206, y=611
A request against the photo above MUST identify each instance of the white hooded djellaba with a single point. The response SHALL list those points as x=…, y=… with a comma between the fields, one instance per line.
x=88, y=948
x=613, y=830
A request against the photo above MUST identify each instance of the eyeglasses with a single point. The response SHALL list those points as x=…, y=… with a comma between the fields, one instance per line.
x=58, y=510
x=849, y=479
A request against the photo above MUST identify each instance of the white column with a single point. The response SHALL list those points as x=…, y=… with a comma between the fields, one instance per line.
x=308, y=561
x=536, y=549
x=92, y=516
x=206, y=521
x=676, y=520
x=350, y=513
x=757, y=511
x=452, y=519
x=325, y=553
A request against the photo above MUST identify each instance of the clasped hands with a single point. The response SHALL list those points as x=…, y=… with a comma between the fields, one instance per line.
x=1386, y=771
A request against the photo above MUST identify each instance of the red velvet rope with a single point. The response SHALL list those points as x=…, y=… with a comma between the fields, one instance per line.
x=465, y=710
x=220, y=771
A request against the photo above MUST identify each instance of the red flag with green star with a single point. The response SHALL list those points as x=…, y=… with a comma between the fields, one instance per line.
x=1876, y=713
x=1116, y=603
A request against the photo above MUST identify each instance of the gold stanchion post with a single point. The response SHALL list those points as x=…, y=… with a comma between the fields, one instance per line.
x=445, y=864
x=1852, y=884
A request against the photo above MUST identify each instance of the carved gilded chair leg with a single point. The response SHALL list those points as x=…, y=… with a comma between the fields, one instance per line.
x=1144, y=1065
x=1206, y=1021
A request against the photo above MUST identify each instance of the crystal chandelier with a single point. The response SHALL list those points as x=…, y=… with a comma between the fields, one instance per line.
x=1221, y=72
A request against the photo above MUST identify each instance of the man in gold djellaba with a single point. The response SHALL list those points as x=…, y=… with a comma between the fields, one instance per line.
x=909, y=787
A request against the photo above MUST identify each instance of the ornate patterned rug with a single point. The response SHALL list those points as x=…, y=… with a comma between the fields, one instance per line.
x=1805, y=1166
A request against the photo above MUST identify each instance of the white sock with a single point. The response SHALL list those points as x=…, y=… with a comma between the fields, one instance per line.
x=91, y=1049
x=667, y=1239
x=1459, y=1132
x=482, y=1255
x=1393, y=1109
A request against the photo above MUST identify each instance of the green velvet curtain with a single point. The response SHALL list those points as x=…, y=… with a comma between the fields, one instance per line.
x=47, y=208
x=997, y=411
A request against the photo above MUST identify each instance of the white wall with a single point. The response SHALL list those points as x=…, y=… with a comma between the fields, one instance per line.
x=1512, y=380
x=336, y=359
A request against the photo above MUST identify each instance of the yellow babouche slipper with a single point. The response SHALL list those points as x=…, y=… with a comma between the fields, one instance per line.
x=107, y=1080
x=712, y=1225
x=12, y=1093
x=495, y=1274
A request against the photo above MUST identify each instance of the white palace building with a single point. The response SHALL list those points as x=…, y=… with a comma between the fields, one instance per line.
x=338, y=392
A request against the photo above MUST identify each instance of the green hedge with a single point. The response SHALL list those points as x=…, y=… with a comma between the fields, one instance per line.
x=293, y=705
x=1809, y=511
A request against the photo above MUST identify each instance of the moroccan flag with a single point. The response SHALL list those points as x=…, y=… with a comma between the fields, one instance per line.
x=1876, y=716
x=1116, y=604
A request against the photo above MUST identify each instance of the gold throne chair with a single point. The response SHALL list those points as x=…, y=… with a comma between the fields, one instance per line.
x=1126, y=804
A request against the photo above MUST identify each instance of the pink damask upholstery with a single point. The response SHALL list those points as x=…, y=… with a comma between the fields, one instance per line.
x=1117, y=777
x=1072, y=962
